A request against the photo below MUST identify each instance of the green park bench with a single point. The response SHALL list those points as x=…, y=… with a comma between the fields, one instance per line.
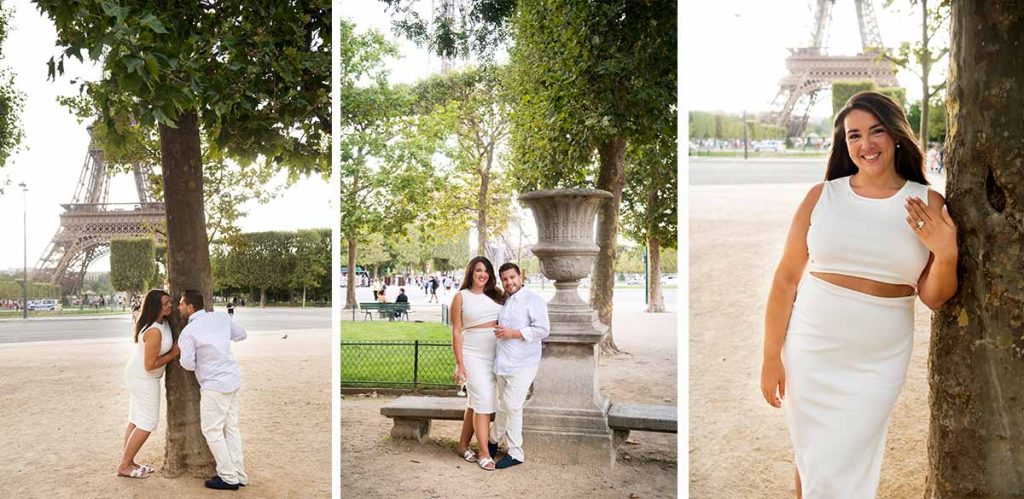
x=388, y=310
x=412, y=416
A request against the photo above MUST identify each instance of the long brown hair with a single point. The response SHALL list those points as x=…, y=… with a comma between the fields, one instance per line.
x=908, y=157
x=152, y=304
x=490, y=287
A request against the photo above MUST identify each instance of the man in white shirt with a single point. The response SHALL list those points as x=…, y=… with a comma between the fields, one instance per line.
x=205, y=345
x=522, y=325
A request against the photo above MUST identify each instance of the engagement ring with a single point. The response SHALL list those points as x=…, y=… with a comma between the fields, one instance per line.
x=920, y=224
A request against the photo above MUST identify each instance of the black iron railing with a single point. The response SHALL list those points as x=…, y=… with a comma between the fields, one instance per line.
x=397, y=364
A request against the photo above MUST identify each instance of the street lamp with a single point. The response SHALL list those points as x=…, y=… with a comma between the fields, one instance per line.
x=24, y=221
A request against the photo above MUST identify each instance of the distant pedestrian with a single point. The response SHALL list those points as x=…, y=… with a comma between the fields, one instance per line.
x=231, y=308
x=433, y=290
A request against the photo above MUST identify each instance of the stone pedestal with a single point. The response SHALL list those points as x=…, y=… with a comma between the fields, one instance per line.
x=566, y=420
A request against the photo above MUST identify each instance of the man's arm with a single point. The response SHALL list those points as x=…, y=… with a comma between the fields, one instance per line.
x=187, y=345
x=540, y=327
x=237, y=333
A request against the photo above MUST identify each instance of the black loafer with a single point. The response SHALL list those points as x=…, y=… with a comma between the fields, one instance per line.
x=492, y=449
x=218, y=483
x=240, y=484
x=507, y=462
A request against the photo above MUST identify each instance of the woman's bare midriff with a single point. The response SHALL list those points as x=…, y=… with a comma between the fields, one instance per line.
x=482, y=326
x=866, y=286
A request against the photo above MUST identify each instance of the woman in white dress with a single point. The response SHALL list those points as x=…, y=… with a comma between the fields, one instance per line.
x=838, y=340
x=474, y=314
x=154, y=348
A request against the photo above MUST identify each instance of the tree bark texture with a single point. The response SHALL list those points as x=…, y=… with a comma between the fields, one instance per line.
x=188, y=267
x=976, y=362
x=655, y=300
x=350, y=291
x=481, y=217
x=926, y=67
x=611, y=178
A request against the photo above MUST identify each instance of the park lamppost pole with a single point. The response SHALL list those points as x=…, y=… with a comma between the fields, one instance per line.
x=24, y=221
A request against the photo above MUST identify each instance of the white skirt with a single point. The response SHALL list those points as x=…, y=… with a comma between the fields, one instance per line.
x=144, y=403
x=846, y=355
x=479, y=347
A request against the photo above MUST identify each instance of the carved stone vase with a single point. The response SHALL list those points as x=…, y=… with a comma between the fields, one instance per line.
x=566, y=419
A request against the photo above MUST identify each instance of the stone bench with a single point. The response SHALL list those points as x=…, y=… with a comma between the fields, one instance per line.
x=623, y=418
x=412, y=416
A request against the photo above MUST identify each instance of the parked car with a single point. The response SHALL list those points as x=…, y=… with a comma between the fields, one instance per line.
x=669, y=279
x=48, y=304
x=770, y=146
x=635, y=279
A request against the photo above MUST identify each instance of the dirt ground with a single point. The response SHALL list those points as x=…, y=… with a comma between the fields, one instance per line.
x=739, y=445
x=64, y=406
x=374, y=465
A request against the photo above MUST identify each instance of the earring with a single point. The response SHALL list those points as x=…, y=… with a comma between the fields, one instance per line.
x=897, y=146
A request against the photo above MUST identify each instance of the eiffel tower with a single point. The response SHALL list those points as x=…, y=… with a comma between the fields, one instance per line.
x=89, y=222
x=812, y=70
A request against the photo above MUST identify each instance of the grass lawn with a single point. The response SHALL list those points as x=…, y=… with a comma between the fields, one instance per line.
x=393, y=362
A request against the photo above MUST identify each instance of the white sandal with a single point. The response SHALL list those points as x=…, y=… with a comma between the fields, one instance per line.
x=484, y=462
x=135, y=473
x=469, y=455
x=147, y=469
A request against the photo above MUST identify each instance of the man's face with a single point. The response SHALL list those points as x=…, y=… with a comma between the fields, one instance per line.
x=511, y=281
x=184, y=308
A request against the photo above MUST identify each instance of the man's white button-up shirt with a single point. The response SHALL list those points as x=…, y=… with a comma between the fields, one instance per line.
x=527, y=312
x=205, y=345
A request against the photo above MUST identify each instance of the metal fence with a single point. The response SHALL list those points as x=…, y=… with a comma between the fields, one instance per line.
x=397, y=364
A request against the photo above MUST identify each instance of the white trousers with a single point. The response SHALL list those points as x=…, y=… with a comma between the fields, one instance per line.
x=218, y=414
x=508, y=422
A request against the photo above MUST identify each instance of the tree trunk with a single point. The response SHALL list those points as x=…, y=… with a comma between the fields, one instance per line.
x=481, y=216
x=350, y=291
x=656, y=301
x=263, y=297
x=611, y=178
x=976, y=431
x=926, y=66
x=188, y=267
x=303, y=297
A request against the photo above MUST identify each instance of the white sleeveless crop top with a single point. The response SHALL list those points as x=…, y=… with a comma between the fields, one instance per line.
x=865, y=237
x=137, y=364
x=477, y=309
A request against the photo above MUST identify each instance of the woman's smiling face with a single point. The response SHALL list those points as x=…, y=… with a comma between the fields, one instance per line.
x=480, y=275
x=870, y=145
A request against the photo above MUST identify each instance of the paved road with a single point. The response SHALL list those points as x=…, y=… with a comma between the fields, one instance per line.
x=253, y=319
x=726, y=171
x=729, y=171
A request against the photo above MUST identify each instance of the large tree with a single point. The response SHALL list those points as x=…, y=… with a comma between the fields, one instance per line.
x=385, y=149
x=976, y=362
x=251, y=78
x=11, y=101
x=474, y=110
x=590, y=78
x=132, y=264
x=921, y=56
x=650, y=210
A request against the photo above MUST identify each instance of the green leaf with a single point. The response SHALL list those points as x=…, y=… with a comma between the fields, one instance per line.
x=152, y=66
x=151, y=22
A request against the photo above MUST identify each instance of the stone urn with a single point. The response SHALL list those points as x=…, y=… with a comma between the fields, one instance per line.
x=566, y=419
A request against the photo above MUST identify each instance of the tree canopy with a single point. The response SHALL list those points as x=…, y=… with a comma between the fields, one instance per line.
x=258, y=73
x=11, y=101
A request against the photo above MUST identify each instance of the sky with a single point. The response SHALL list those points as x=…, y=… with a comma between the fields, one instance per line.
x=54, y=150
x=733, y=51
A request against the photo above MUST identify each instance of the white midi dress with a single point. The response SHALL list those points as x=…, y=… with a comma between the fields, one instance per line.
x=143, y=385
x=479, y=347
x=846, y=353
